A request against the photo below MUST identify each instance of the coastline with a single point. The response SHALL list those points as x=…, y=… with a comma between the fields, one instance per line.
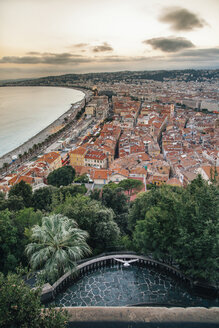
x=44, y=133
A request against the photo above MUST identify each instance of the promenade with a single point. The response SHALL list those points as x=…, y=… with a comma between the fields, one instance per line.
x=43, y=134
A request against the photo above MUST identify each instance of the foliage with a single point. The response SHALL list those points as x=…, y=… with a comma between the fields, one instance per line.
x=157, y=232
x=95, y=194
x=57, y=245
x=23, y=190
x=72, y=190
x=15, y=235
x=111, y=185
x=93, y=217
x=21, y=307
x=118, y=202
x=42, y=198
x=198, y=245
x=14, y=203
x=8, y=242
x=24, y=220
x=82, y=178
x=108, y=93
x=2, y=195
x=63, y=176
x=130, y=184
x=45, y=199
x=180, y=225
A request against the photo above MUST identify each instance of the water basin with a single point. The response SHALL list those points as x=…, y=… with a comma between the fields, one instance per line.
x=134, y=285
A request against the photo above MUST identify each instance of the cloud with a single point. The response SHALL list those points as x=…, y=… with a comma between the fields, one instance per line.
x=67, y=58
x=46, y=58
x=181, y=19
x=33, y=53
x=169, y=44
x=80, y=45
x=188, y=58
x=52, y=63
x=102, y=48
x=62, y=61
x=208, y=55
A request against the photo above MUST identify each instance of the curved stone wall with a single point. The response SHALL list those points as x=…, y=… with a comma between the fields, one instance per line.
x=94, y=264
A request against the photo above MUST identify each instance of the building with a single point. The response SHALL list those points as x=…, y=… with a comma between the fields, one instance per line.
x=96, y=159
x=77, y=156
x=209, y=173
x=52, y=160
x=90, y=110
x=119, y=175
x=100, y=177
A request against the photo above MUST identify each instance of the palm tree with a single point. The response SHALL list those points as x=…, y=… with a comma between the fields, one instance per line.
x=56, y=247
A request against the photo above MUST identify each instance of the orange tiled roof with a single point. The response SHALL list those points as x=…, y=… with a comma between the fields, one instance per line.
x=101, y=174
x=79, y=151
x=24, y=178
x=49, y=157
x=209, y=169
x=120, y=171
x=138, y=170
x=95, y=154
x=174, y=182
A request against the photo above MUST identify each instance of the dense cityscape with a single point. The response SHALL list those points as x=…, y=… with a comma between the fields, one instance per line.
x=156, y=131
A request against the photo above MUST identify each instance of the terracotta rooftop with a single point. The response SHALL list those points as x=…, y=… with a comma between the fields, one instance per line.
x=174, y=182
x=95, y=154
x=100, y=174
x=210, y=170
x=79, y=151
x=49, y=157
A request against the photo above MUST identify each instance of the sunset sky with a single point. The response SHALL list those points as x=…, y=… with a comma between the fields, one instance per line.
x=51, y=37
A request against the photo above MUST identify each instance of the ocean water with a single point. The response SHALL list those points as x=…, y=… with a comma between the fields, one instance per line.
x=25, y=111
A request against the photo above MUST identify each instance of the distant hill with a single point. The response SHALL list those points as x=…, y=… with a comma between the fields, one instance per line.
x=126, y=76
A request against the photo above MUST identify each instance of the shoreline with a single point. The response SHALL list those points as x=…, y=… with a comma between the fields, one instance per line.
x=44, y=133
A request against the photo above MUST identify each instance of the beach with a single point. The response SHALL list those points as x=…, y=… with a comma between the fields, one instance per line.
x=44, y=133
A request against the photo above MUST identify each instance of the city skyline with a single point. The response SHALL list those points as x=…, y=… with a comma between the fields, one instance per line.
x=40, y=38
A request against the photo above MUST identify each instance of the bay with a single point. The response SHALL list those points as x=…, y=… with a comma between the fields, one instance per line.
x=25, y=111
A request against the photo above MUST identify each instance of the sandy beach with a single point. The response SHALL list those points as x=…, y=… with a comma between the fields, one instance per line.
x=43, y=134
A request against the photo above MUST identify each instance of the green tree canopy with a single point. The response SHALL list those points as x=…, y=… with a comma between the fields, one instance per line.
x=42, y=198
x=21, y=307
x=94, y=218
x=158, y=232
x=23, y=190
x=130, y=184
x=8, y=242
x=15, y=235
x=115, y=199
x=82, y=178
x=24, y=220
x=13, y=203
x=198, y=244
x=57, y=245
x=72, y=190
x=62, y=176
x=2, y=195
x=180, y=225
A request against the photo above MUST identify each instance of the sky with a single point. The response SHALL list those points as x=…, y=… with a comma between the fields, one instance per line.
x=53, y=37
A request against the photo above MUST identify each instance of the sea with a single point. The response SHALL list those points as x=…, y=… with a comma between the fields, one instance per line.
x=25, y=111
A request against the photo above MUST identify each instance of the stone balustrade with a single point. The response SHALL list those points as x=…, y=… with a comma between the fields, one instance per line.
x=96, y=263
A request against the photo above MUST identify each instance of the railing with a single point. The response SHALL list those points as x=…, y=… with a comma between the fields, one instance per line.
x=108, y=260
